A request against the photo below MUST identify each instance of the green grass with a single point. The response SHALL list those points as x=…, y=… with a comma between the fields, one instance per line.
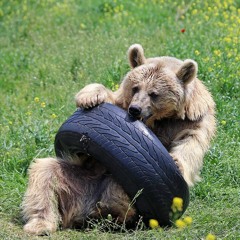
x=50, y=49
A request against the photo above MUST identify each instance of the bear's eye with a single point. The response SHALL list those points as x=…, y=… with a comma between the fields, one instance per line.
x=135, y=89
x=153, y=95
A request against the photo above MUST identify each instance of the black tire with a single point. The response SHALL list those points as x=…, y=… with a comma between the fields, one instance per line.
x=131, y=152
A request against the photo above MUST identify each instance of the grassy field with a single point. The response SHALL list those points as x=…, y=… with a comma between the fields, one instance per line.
x=50, y=49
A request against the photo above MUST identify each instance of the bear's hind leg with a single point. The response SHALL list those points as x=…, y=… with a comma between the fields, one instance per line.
x=115, y=201
x=40, y=204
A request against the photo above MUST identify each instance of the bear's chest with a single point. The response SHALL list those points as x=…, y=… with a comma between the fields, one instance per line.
x=167, y=129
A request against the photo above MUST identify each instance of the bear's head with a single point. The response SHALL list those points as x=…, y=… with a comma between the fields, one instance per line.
x=162, y=87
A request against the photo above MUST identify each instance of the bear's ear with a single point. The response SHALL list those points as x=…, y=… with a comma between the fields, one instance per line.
x=188, y=71
x=136, y=55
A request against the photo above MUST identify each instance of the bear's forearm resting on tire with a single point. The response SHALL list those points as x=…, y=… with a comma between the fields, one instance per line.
x=188, y=154
x=92, y=95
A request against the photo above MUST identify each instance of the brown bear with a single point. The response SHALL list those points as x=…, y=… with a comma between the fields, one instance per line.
x=167, y=96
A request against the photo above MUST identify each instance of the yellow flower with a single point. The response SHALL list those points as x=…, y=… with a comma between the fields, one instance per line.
x=82, y=26
x=188, y=220
x=194, y=11
x=227, y=39
x=43, y=104
x=36, y=99
x=53, y=116
x=153, y=223
x=197, y=52
x=177, y=204
x=115, y=87
x=206, y=17
x=180, y=223
x=206, y=59
x=210, y=69
x=217, y=53
x=211, y=237
x=223, y=122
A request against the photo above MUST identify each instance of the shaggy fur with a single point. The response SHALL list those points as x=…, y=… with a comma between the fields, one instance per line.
x=167, y=96
x=65, y=193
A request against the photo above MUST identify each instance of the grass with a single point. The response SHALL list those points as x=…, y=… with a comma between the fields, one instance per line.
x=50, y=49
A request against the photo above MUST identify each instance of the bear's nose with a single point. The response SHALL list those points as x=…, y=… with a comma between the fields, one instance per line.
x=134, y=110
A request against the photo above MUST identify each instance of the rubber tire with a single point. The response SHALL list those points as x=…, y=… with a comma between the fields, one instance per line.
x=131, y=152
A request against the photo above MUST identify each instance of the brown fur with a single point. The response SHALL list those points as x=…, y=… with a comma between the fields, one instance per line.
x=171, y=100
x=63, y=193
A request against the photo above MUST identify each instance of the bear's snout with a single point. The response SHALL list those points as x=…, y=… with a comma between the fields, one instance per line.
x=135, y=110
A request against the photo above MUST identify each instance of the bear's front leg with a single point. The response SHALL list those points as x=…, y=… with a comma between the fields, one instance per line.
x=188, y=154
x=178, y=163
x=92, y=95
x=40, y=204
